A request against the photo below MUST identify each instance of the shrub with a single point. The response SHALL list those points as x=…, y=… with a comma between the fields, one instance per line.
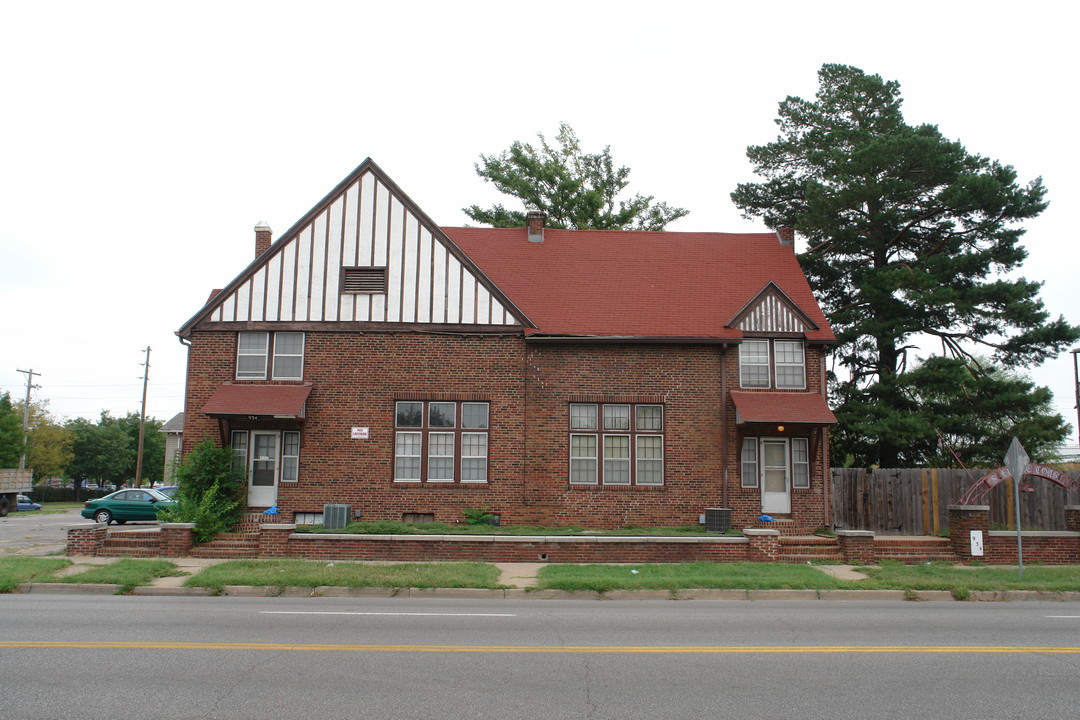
x=478, y=516
x=211, y=492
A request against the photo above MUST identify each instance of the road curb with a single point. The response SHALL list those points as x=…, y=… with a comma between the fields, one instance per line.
x=523, y=594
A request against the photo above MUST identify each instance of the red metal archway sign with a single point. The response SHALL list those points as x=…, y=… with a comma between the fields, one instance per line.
x=978, y=491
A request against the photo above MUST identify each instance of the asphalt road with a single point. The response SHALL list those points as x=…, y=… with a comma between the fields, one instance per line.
x=237, y=658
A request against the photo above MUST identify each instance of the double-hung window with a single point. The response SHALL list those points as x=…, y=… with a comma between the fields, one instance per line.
x=772, y=363
x=282, y=353
x=439, y=441
x=616, y=444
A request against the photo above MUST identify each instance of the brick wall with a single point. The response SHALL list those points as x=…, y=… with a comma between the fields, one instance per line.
x=357, y=377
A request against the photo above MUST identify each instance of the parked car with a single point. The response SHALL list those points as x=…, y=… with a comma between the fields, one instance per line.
x=124, y=505
x=169, y=490
x=26, y=503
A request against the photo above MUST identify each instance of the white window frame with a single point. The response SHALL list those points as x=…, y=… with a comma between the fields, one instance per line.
x=748, y=459
x=270, y=355
x=772, y=364
x=800, y=364
x=263, y=353
x=584, y=465
x=745, y=364
x=290, y=461
x=800, y=463
x=278, y=354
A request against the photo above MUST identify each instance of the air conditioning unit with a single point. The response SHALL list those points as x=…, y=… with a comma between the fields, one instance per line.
x=717, y=520
x=335, y=517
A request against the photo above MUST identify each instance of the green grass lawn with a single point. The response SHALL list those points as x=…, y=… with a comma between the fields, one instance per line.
x=684, y=576
x=125, y=572
x=960, y=581
x=306, y=573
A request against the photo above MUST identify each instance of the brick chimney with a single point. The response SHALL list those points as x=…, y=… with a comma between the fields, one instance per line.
x=534, y=221
x=264, y=237
x=786, y=236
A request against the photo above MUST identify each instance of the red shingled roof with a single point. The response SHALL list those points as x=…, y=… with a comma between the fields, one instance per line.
x=275, y=400
x=637, y=284
x=781, y=407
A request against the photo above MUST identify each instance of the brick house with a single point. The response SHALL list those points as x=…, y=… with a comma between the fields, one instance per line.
x=599, y=378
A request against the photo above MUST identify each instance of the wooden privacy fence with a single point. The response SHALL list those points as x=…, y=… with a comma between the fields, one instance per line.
x=914, y=501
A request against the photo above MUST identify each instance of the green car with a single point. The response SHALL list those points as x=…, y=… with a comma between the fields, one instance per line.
x=124, y=505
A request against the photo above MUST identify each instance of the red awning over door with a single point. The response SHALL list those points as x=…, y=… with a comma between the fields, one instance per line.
x=779, y=407
x=278, y=401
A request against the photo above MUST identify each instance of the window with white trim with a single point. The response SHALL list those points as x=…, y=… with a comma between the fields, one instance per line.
x=772, y=363
x=749, y=465
x=441, y=441
x=616, y=444
x=281, y=352
x=800, y=463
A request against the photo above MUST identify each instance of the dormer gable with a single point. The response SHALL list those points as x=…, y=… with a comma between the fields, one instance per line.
x=772, y=311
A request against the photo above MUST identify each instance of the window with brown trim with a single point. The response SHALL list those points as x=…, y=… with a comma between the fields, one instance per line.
x=616, y=444
x=441, y=441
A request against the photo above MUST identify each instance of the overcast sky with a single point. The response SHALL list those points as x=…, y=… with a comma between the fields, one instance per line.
x=142, y=141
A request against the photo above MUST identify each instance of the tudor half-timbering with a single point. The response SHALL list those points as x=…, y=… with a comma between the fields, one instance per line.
x=602, y=378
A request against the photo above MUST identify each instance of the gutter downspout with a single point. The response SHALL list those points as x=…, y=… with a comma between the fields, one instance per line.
x=826, y=472
x=723, y=418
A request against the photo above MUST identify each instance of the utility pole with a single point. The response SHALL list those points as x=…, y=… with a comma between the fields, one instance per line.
x=142, y=421
x=26, y=413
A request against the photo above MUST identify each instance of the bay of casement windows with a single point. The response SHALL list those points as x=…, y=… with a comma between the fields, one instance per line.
x=441, y=441
x=281, y=352
x=616, y=444
x=798, y=462
x=772, y=363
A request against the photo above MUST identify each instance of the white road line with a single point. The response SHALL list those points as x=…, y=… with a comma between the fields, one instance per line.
x=422, y=614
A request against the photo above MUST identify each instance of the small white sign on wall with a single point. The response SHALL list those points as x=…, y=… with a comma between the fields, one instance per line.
x=361, y=433
x=976, y=543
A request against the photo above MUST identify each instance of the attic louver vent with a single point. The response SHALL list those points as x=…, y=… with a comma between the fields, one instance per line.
x=366, y=280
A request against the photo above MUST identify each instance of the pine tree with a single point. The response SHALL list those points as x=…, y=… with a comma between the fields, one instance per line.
x=909, y=236
x=576, y=190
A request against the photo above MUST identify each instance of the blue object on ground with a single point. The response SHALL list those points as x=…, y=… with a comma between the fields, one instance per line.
x=765, y=518
x=271, y=511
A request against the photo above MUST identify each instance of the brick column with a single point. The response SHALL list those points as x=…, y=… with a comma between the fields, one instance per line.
x=274, y=540
x=86, y=540
x=177, y=539
x=857, y=546
x=1072, y=518
x=764, y=544
x=962, y=520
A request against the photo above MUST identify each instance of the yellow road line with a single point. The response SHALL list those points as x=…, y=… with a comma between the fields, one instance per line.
x=717, y=649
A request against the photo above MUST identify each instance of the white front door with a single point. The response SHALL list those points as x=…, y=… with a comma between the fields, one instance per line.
x=263, y=475
x=775, y=483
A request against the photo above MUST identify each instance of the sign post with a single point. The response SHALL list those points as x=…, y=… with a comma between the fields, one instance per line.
x=1016, y=460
